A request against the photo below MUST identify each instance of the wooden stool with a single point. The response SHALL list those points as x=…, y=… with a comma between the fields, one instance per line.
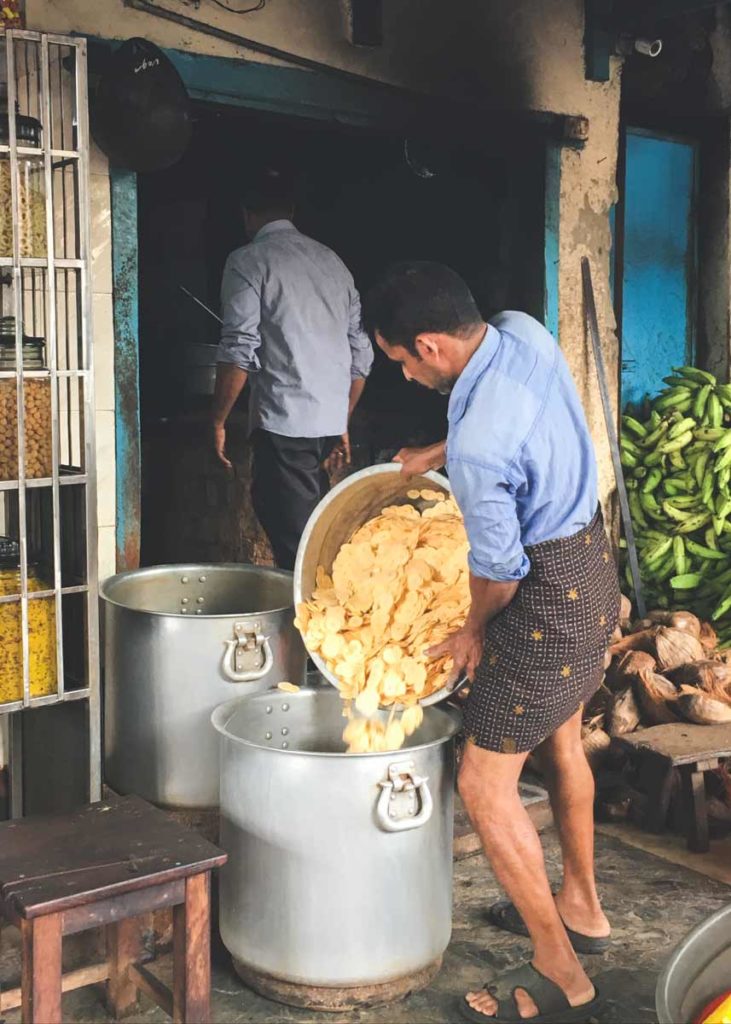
x=692, y=750
x=104, y=865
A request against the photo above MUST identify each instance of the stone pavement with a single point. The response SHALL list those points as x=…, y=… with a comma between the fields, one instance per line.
x=651, y=903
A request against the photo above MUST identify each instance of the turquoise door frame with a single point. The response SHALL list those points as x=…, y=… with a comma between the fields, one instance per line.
x=279, y=90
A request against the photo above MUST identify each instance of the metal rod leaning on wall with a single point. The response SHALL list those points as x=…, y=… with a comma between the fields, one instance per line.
x=593, y=325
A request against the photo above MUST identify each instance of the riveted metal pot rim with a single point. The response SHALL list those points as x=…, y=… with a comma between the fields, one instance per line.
x=107, y=586
x=222, y=715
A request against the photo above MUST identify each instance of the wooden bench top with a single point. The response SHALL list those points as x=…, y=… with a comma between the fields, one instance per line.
x=49, y=864
x=681, y=743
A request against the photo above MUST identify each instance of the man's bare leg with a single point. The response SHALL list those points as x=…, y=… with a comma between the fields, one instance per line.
x=488, y=785
x=571, y=787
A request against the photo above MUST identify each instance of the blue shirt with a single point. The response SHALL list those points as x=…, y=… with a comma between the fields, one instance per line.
x=291, y=319
x=519, y=455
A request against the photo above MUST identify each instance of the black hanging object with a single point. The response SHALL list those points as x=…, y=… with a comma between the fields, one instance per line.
x=140, y=112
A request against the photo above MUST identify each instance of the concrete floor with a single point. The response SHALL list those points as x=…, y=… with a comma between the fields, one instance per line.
x=652, y=903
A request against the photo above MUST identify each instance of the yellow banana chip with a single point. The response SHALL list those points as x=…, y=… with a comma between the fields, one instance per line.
x=288, y=687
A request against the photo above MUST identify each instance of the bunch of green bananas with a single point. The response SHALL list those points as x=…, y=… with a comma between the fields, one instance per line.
x=677, y=467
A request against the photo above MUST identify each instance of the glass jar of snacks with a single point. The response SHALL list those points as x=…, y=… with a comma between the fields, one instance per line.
x=41, y=629
x=31, y=190
x=37, y=407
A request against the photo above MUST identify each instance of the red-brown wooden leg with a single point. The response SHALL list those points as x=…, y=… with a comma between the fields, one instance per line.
x=124, y=948
x=192, y=953
x=41, y=973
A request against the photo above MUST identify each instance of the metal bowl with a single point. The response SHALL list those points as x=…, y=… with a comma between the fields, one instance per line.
x=697, y=972
x=345, y=509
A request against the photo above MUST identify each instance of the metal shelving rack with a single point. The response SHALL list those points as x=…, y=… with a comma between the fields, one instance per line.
x=47, y=291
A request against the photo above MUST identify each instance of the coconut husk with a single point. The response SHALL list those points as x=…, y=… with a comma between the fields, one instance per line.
x=708, y=637
x=641, y=625
x=686, y=621
x=655, y=696
x=624, y=715
x=625, y=669
x=697, y=707
x=675, y=647
x=598, y=706
x=596, y=745
x=643, y=640
x=712, y=677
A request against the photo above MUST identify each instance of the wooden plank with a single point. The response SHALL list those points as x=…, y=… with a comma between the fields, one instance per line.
x=124, y=946
x=694, y=788
x=41, y=971
x=117, y=908
x=159, y=993
x=682, y=743
x=192, y=953
x=12, y=998
x=104, y=849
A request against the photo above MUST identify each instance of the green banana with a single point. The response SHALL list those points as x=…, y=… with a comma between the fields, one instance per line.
x=676, y=396
x=680, y=428
x=652, y=480
x=679, y=557
x=694, y=374
x=707, y=554
x=637, y=428
x=636, y=509
x=676, y=444
x=723, y=461
x=695, y=522
x=686, y=581
x=701, y=399
x=628, y=460
x=701, y=464
x=715, y=411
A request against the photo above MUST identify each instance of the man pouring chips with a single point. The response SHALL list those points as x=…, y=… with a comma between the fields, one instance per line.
x=544, y=603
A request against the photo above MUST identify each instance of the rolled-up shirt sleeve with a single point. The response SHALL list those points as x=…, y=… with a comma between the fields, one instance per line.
x=487, y=501
x=241, y=314
x=361, y=348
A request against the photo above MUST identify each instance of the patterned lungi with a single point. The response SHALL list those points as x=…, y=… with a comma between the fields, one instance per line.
x=544, y=654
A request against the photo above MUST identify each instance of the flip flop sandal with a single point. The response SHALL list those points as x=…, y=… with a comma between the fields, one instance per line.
x=504, y=915
x=553, y=1006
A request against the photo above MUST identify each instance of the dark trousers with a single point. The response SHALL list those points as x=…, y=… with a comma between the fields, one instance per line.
x=288, y=481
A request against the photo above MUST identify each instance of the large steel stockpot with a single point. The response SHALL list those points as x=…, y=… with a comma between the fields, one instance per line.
x=179, y=640
x=345, y=509
x=339, y=877
x=698, y=971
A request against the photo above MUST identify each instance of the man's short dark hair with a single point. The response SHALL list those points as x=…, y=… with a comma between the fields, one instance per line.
x=269, y=191
x=414, y=298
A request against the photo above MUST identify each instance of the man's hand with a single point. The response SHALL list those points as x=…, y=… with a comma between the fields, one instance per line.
x=418, y=461
x=339, y=456
x=465, y=649
x=230, y=380
x=219, y=444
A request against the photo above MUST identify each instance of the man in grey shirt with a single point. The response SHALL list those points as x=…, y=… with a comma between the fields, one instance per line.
x=292, y=329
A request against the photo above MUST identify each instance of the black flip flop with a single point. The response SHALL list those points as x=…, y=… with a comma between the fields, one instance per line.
x=553, y=1006
x=504, y=915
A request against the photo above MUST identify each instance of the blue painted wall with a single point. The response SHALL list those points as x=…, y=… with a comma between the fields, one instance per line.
x=658, y=261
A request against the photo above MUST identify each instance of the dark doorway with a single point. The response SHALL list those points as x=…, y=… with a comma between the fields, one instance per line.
x=373, y=198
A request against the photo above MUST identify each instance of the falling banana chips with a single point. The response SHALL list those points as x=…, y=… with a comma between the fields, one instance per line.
x=399, y=586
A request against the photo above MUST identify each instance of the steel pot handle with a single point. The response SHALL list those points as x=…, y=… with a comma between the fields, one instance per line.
x=247, y=639
x=396, y=807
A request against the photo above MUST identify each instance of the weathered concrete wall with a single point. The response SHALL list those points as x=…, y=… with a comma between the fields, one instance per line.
x=527, y=54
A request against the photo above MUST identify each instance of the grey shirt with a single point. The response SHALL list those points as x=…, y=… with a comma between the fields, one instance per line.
x=291, y=319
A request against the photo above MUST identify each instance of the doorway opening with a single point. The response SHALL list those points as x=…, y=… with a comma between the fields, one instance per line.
x=374, y=198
